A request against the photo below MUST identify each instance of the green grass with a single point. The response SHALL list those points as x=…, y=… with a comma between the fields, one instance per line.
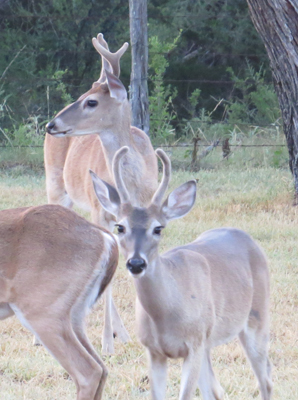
x=255, y=198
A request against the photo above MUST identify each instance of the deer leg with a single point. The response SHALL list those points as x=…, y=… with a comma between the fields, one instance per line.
x=61, y=341
x=208, y=384
x=190, y=373
x=113, y=325
x=255, y=344
x=107, y=335
x=55, y=156
x=56, y=192
x=119, y=329
x=35, y=341
x=158, y=375
x=5, y=311
x=81, y=335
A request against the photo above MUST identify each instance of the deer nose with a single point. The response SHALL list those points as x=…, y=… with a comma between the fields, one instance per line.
x=50, y=126
x=136, y=265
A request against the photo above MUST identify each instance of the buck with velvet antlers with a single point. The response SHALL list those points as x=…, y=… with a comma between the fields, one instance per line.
x=53, y=266
x=194, y=297
x=105, y=111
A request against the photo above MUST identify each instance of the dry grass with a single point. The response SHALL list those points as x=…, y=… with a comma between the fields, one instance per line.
x=257, y=200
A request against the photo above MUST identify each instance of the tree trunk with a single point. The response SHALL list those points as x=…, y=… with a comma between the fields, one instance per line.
x=139, y=52
x=277, y=23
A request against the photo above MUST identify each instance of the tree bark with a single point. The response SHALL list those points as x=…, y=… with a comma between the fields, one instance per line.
x=277, y=23
x=139, y=52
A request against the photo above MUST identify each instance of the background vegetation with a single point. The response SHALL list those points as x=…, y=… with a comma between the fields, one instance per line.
x=207, y=64
x=209, y=79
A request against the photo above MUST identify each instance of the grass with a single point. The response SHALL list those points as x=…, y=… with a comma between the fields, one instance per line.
x=256, y=197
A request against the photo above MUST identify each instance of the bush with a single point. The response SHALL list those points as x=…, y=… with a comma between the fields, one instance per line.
x=160, y=99
x=252, y=100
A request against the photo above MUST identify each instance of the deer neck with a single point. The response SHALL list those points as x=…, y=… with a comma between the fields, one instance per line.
x=154, y=290
x=116, y=137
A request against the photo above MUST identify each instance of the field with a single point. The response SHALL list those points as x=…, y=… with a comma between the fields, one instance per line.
x=252, y=191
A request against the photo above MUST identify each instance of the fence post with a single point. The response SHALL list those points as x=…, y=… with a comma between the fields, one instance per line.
x=139, y=52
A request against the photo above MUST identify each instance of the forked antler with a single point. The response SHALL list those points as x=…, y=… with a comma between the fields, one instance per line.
x=161, y=190
x=123, y=193
x=105, y=65
x=112, y=58
x=166, y=177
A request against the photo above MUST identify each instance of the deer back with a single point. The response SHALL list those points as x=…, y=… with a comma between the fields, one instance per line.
x=47, y=247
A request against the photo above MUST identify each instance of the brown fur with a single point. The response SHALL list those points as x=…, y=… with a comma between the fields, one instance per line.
x=51, y=262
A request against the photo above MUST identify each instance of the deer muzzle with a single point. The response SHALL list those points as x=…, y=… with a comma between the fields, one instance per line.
x=50, y=126
x=136, y=265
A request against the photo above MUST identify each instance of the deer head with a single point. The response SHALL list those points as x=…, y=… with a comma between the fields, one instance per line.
x=96, y=110
x=139, y=228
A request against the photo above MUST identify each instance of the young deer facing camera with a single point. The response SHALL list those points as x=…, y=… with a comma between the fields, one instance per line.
x=53, y=267
x=193, y=297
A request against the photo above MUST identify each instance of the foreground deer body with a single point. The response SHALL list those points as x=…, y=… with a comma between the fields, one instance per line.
x=103, y=113
x=193, y=297
x=53, y=266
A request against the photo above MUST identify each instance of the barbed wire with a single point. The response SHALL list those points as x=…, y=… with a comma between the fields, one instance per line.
x=150, y=79
x=186, y=123
x=60, y=51
x=81, y=18
x=217, y=121
x=181, y=145
x=230, y=145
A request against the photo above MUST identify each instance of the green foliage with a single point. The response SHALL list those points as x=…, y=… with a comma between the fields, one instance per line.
x=61, y=87
x=253, y=100
x=50, y=36
x=30, y=131
x=161, y=95
x=215, y=35
x=278, y=158
x=193, y=100
x=55, y=35
x=27, y=134
x=201, y=123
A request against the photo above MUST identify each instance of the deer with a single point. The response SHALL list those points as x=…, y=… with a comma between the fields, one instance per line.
x=90, y=131
x=54, y=265
x=195, y=296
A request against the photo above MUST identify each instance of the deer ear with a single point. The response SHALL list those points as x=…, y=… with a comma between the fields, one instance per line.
x=107, y=195
x=116, y=88
x=180, y=201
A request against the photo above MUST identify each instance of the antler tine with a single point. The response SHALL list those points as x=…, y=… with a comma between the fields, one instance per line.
x=105, y=65
x=166, y=177
x=102, y=41
x=123, y=193
x=112, y=58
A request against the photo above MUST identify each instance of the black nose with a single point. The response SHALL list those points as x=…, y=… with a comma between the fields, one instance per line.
x=136, y=265
x=50, y=126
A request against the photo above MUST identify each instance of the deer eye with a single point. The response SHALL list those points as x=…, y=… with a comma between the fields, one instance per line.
x=120, y=228
x=157, y=230
x=92, y=103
